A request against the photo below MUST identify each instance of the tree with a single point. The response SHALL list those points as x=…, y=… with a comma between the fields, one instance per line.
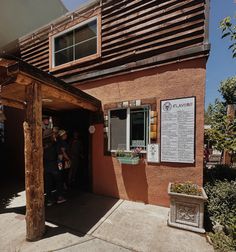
x=229, y=30
x=222, y=133
x=228, y=90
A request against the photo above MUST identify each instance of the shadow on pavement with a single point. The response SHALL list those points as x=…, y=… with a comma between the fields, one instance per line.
x=81, y=214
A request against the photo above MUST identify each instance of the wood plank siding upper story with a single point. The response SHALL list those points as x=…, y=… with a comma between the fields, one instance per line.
x=133, y=34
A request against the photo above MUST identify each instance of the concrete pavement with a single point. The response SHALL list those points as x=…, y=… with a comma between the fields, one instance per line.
x=88, y=222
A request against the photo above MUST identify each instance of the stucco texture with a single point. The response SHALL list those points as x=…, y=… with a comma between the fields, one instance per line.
x=145, y=182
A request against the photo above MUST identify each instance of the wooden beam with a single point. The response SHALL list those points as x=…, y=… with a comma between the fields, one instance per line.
x=34, y=182
x=12, y=103
x=148, y=62
x=68, y=97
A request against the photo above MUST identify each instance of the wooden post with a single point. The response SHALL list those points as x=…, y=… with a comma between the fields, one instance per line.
x=34, y=182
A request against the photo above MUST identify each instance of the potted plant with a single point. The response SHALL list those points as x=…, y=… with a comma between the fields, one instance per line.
x=187, y=206
x=131, y=158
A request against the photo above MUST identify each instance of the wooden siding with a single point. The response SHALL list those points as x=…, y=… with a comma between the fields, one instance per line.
x=135, y=34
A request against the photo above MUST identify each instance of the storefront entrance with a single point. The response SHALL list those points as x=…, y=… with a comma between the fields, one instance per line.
x=77, y=122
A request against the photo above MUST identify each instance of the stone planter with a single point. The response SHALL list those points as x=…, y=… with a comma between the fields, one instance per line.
x=129, y=160
x=187, y=211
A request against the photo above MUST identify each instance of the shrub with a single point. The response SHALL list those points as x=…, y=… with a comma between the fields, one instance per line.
x=222, y=210
x=220, y=172
x=222, y=242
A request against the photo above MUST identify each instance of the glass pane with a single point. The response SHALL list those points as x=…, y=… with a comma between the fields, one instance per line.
x=64, y=41
x=64, y=56
x=86, y=48
x=118, y=119
x=86, y=31
x=138, y=128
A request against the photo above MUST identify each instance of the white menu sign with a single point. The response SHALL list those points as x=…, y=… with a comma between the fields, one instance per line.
x=178, y=130
x=153, y=153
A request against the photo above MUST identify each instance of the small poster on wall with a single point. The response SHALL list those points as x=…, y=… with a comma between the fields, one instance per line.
x=153, y=153
x=178, y=130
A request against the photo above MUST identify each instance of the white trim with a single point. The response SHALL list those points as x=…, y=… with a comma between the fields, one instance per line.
x=147, y=135
x=66, y=31
x=128, y=130
x=109, y=132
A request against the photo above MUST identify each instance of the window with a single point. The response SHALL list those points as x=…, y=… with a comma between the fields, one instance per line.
x=128, y=128
x=75, y=44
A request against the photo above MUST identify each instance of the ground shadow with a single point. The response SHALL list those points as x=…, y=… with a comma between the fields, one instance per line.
x=11, y=187
x=81, y=213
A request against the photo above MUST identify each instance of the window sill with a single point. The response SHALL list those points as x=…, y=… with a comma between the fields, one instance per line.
x=74, y=63
x=126, y=151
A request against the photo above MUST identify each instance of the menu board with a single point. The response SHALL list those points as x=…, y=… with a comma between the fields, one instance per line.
x=178, y=130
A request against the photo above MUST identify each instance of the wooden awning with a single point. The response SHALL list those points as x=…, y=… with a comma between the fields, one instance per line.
x=16, y=74
x=26, y=87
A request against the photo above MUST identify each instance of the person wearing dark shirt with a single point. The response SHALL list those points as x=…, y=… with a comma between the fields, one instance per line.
x=63, y=156
x=51, y=171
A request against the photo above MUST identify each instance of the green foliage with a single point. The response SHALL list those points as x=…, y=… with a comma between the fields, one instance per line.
x=186, y=188
x=120, y=153
x=222, y=133
x=229, y=30
x=222, y=202
x=220, y=172
x=228, y=90
x=222, y=242
x=222, y=210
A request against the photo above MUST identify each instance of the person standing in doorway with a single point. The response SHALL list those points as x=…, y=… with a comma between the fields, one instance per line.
x=51, y=172
x=63, y=157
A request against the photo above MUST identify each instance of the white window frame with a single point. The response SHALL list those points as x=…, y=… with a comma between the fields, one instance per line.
x=128, y=127
x=68, y=30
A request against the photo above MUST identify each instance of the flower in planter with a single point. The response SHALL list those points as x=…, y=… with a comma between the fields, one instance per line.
x=137, y=152
x=186, y=188
x=120, y=153
x=187, y=206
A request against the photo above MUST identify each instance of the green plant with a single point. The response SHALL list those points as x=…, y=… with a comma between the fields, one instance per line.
x=134, y=153
x=220, y=172
x=222, y=210
x=229, y=30
x=222, y=202
x=228, y=89
x=120, y=153
x=222, y=242
x=186, y=188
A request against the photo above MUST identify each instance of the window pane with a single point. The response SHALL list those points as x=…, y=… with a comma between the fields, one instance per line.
x=86, y=31
x=64, y=41
x=64, y=56
x=86, y=48
x=118, y=119
x=138, y=128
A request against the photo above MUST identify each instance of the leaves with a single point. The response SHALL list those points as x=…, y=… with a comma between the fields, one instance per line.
x=228, y=90
x=229, y=30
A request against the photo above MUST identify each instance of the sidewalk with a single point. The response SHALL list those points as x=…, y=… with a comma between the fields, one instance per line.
x=89, y=222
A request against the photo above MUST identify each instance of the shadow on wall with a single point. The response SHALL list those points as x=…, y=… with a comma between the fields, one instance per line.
x=112, y=179
x=14, y=142
x=135, y=182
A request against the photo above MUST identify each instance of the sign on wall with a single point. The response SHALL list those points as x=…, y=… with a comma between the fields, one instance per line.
x=153, y=153
x=178, y=130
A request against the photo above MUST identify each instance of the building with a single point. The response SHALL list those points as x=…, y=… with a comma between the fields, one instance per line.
x=146, y=62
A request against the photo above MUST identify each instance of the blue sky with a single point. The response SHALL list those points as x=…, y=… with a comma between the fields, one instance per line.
x=220, y=64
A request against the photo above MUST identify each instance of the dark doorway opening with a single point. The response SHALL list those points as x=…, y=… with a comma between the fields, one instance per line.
x=77, y=121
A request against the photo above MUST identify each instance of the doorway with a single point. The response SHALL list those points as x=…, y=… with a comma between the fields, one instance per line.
x=77, y=121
